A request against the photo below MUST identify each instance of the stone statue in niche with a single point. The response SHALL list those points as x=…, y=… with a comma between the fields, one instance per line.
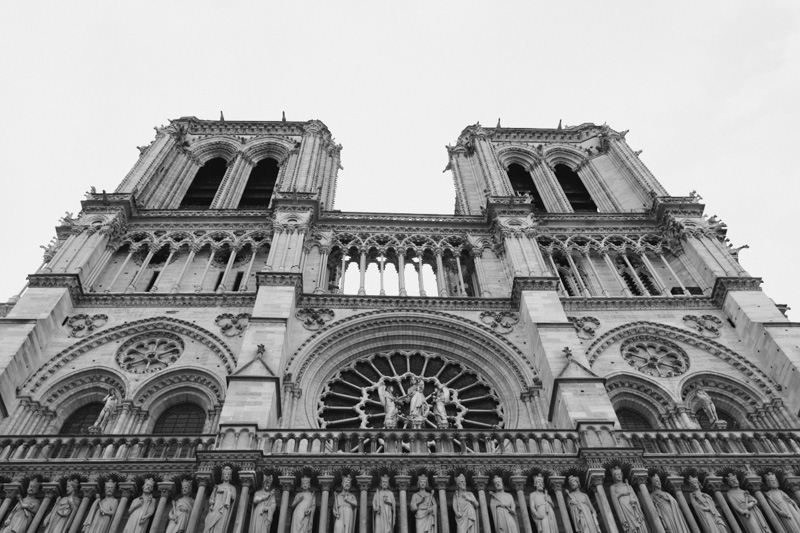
x=423, y=505
x=504, y=510
x=581, y=509
x=746, y=506
x=441, y=397
x=344, y=508
x=142, y=509
x=181, y=509
x=418, y=406
x=109, y=408
x=783, y=506
x=21, y=516
x=220, y=505
x=303, y=507
x=708, y=516
x=707, y=404
x=465, y=507
x=667, y=509
x=264, y=505
x=59, y=519
x=390, y=404
x=542, y=509
x=626, y=504
x=99, y=518
x=384, y=508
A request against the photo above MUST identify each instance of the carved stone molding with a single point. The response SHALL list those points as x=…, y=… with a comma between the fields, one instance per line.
x=615, y=304
x=232, y=325
x=706, y=325
x=314, y=319
x=544, y=283
x=723, y=285
x=246, y=300
x=81, y=325
x=500, y=321
x=350, y=301
x=585, y=326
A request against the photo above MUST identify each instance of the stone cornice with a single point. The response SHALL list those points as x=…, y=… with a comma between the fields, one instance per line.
x=723, y=285
x=195, y=126
x=685, y=206
x=544, y=283
x=204, y=213
x=616, y=304
x=578, y=133
x=345, y=301
x=244, y=299
x=280, y=279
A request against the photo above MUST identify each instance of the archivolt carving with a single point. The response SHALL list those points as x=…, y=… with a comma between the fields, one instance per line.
x=208, y=384
x=100, y=377
x=737, y=394
x=159, y=323
x=218, y=146
x=621, y=385
x=272, y=146
x=317, y=344
x=764, y=382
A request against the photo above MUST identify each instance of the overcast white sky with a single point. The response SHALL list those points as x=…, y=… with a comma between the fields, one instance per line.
x=709, y=91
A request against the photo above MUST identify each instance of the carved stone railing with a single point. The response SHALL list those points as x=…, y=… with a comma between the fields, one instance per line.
x=444, y=441
x=57, y=448
x=699, y=442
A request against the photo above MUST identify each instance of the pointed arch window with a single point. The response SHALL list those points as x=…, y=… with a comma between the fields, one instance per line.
x=630, y=420
x=205, y=184
x=182, y=419
x=79, y=421
x=260, y=184
x=577, y=195
x=522, y=184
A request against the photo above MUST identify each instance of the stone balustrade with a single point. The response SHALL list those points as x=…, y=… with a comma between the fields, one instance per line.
x=685, y=442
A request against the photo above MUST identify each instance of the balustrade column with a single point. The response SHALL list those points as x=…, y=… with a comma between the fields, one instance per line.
x=224, y=281
x=381, y=267
x=401, y=272
x=165, y=489
x=247, y=479
x=595, y=479
x=287, y=484
x=362, y=273
x=589, y=261
x=664, y=289
x=199, y=286
x=480, y=485
x=578, y=277
x=713, y=484
x=363, y=505
x=461, y=291
x=325, y=483
x=246, y=278
x=755, y=485
x=140, y=273
x=177, y=286
x=88, y=490
x=624, y=286
x=403, y=481
x=518, y=484
x=557, y=486
x=51, y=490
x=441, y=282
x=127, y=489
x=676, y=483
x=199, y=500
x=419, y=275
x=322, y=278
x=119, y=272
x=441, y=485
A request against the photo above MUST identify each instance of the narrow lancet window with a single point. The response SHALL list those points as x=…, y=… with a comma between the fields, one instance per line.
x=260, y=185
x=522, y=185
x=205, y=184
x=577, y=195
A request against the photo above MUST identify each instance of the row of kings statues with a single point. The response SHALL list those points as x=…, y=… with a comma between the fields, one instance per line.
x=776, y=510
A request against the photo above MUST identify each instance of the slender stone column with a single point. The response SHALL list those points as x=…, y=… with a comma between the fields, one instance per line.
x=401, y=271
x=676, y=483
x=403, y=481
x=199, y=500
x=419, y=276
x=289, y=237
x=247, y=479
x=11, y=490
x=595, y=478
x=224, y=281
x=441, y=485
x=479, y=271
x=639, y=479
x=480, y=485
x=578, y=277
x=381, y=267
x=172, y=251
x=460, y=276
x=364, y=482
x=177, y=286
x=287, y=484
x=138, y=276
x=589, y=261
x=511, y=255
x=664, y=289
x=754, y=484
x=99, y=267
x=557, y=486
x=199, y=286
x=624, y=286
x=518, y=484
x=128, y=489
x=714, y=485
x=88, y=490
x=322, y=278
x=51, y=490
x=792, y=486
x=119, y=271
x=672, y=272
x=325, y=483
x=344, y=271
x=246, y=278
x=440, y=278
x=165, y=489
x=636, y=277
x=362, y=272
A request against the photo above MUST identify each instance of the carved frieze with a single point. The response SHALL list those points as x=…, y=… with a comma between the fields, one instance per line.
x=706, y=325
x=232, y=325
x=585, y=326
x=81, y=325
x=500, y=321
x=313, y=319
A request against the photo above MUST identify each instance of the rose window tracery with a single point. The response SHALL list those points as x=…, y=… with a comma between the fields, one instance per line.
x=655, y=357
x=149, y=352
x=455, y=396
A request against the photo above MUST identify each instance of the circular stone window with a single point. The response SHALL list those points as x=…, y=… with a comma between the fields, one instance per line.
x=655, y=357
x=149, y=352
x=453, y=395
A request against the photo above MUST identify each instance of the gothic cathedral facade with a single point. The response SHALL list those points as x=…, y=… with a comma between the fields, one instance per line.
x=214, y=348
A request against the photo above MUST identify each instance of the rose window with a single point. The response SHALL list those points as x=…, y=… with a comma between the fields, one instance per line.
x=408, y=389
x=149, y=352
x=655, y=357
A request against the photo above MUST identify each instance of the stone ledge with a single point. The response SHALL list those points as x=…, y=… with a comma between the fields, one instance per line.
x=723, y=285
